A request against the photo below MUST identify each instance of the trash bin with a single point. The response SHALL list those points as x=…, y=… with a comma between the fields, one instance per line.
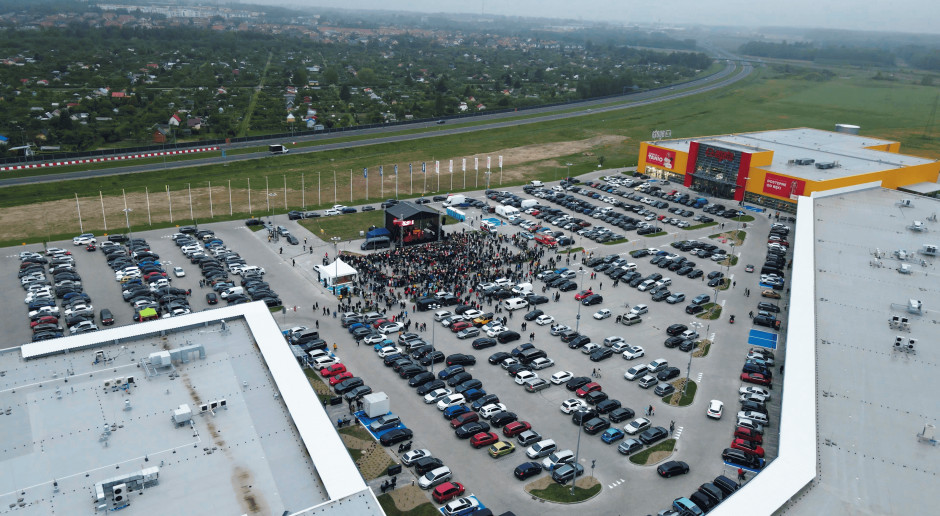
x=393, y=470
x=336, y=400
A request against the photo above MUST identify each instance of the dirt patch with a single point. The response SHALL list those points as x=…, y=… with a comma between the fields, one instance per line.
x=542, y=483
x=658, y=456
x=408, y=497
x=250, y=502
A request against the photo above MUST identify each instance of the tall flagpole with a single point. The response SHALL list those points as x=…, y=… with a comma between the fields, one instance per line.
x=396, y=181
x=411, y=179
x=303, y=194
x=249, y=198
x=334, y=186
x=381, y=182
x=451, y=167
x=211, y=213
x=464, y=167
x=350, y=186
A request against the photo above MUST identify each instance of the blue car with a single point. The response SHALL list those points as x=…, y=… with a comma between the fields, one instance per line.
x=612, y=435
x=474, y=394
x=352, y=327
x=685, y=506
x=454, y=411
x=449, y=371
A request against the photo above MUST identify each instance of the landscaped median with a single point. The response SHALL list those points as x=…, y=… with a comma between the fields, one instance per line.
x=407, y=501
x=547, y=489
x=654, y=454
x=678, y=399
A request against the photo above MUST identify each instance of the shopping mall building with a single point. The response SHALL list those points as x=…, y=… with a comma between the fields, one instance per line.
x=773, y=168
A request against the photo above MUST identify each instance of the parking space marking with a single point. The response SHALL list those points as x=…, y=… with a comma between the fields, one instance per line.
x=615, y=484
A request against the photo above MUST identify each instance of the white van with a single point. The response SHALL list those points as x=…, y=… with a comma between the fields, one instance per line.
x=522, y=288
x=233, y=291
x=434, y=477
x=514, y=303
x=536, y=183
x=541, y=449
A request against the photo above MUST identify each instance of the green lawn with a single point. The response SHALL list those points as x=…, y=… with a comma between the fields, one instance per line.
x=641, y=457
x=573, y=250
x=559, y=493
x=700, y=226
x=618, y=241
x=661, y=233
x=346, y=226
x=685, y=400
x=388, y=505
x=712, y=311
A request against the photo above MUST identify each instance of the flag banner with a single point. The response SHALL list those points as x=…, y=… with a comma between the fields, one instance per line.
x=380, y=171
x=365, y=172
x=488, y=158
x=464, y=165
x=451, y=169
x=437, y=167
x=424, y=167
x=411, y=168
x=476, y=163
x=500, y=162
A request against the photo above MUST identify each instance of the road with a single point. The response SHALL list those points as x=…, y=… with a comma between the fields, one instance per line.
x=721, y=79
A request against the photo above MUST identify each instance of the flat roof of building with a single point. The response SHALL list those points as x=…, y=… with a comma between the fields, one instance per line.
x=872, y=400
x=847, y=151
x=83, y=414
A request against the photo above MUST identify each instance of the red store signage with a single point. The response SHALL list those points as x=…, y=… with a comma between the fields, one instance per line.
x=782, y=186
x=661, y=157
x=720, y=155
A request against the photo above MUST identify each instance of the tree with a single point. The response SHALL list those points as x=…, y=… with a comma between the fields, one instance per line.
x=344, y=94
x=330, y=76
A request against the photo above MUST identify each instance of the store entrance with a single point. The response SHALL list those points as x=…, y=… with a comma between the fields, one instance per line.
x=713, y=187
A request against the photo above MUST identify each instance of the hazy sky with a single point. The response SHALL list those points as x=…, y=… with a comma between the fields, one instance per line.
x=888, y=15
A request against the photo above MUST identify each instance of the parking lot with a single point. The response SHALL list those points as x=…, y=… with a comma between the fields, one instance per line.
x=700, y=440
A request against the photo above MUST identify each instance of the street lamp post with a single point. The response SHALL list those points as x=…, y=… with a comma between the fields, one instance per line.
x=577, y=323
x=568, y=165
x=577, y=451
x=335, y=240
x=127, y=219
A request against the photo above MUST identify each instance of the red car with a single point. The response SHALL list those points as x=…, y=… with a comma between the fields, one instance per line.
x=748, y=435
x=332, y=370
x=747, y=446
x=515, y=428
x=91, y=247
x=483, y=439
x=380, y=322
x=757, y=378
x=339, y=378
x=447, y=491
x=583, y=294
x=591, y=387
x=467, y=417
x=459, y=325
x=46, y=319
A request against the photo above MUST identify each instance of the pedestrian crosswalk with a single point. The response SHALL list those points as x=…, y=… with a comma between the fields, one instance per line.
x=699, y=380
x=678, y=432
x=615, y=484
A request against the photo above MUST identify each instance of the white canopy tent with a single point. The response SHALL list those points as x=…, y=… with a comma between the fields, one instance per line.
x=336, y=273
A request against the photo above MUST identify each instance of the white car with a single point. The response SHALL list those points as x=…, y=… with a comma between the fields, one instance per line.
x=450, y=401
x=79, y=309
x=387, y=350
x=492, y=408
x=391, y=327
x=557, y=329
x=331, y=212
x=637, y=425
x=411, y=457
x=465, y=505
x=493, y=331
x=437, y=395
x=603, y=313
x=471, y=314
x=573, y=405
x=613, y=339
x=442, y=314
x=755, y=390
x=84, y=239
x=82, y=327
x=633, y=352
x=715, y=408
x=541, y=363
x=522, y=376
x=636, y=371
x=544, y=319
x=620, y=347
x=44, y=310
x=639, y=309
x=665, y=282
x=36, y=294
x=590, y=347
x=646, y=285
x=561, y=377
x=375, y=338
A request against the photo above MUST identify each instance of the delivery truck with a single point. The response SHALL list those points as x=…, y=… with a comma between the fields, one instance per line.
x=278, y=149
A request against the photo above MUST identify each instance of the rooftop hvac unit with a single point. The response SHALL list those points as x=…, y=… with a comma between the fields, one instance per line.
x=905, y=203
x=914, y=306
x=918, y=226
x=119, y=494
x=929, y=250
x=823, y=165
x=847, y=128
x=804, y=161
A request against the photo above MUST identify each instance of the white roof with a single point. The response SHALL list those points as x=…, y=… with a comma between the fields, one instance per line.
x=337, y=269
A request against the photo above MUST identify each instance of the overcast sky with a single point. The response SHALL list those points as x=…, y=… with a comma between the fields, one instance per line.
x=884, y=15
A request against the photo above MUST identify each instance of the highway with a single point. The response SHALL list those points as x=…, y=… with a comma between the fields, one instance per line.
x=724, y=78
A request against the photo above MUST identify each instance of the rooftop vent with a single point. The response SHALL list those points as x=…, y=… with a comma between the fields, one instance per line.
x=825, y=165
x=804, y=161
x=847, y=128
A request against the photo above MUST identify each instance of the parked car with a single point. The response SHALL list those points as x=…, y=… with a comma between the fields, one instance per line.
x=672, y=468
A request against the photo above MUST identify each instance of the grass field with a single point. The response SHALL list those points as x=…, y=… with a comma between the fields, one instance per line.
x=559, y=493
x=767, y=100
x=642, y=457
x=346, y=226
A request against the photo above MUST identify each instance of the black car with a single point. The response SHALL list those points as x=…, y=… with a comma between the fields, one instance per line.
x=396, y=436
x=619, y=414
x=672, y=468
x=348, y=385
x=295, y=215
x=410, y=371
x=607, y=406
x=668, y=374
x=579, y=341
x=498, y=357
x=581, y=416
x=430, y=386
x=596, y=425
x=461, y=359
x=432, y=357
x=569, y=335
x=357, y=393
x=459, y=378
x=676, y=329
x=537, y=300
x=420, y=379
x=483, y=343
x=601, y=354
x=652, y=435
x=468, y=430
x=425, y=464
x=594, y=299
x=507, y=336
x=577, y=382
x=484, y=401
x=527, y=470
x=503, y=418
x=533, y=315
x=742, y=457
x=768, y=307
x=107, y=318
x=466, y=385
